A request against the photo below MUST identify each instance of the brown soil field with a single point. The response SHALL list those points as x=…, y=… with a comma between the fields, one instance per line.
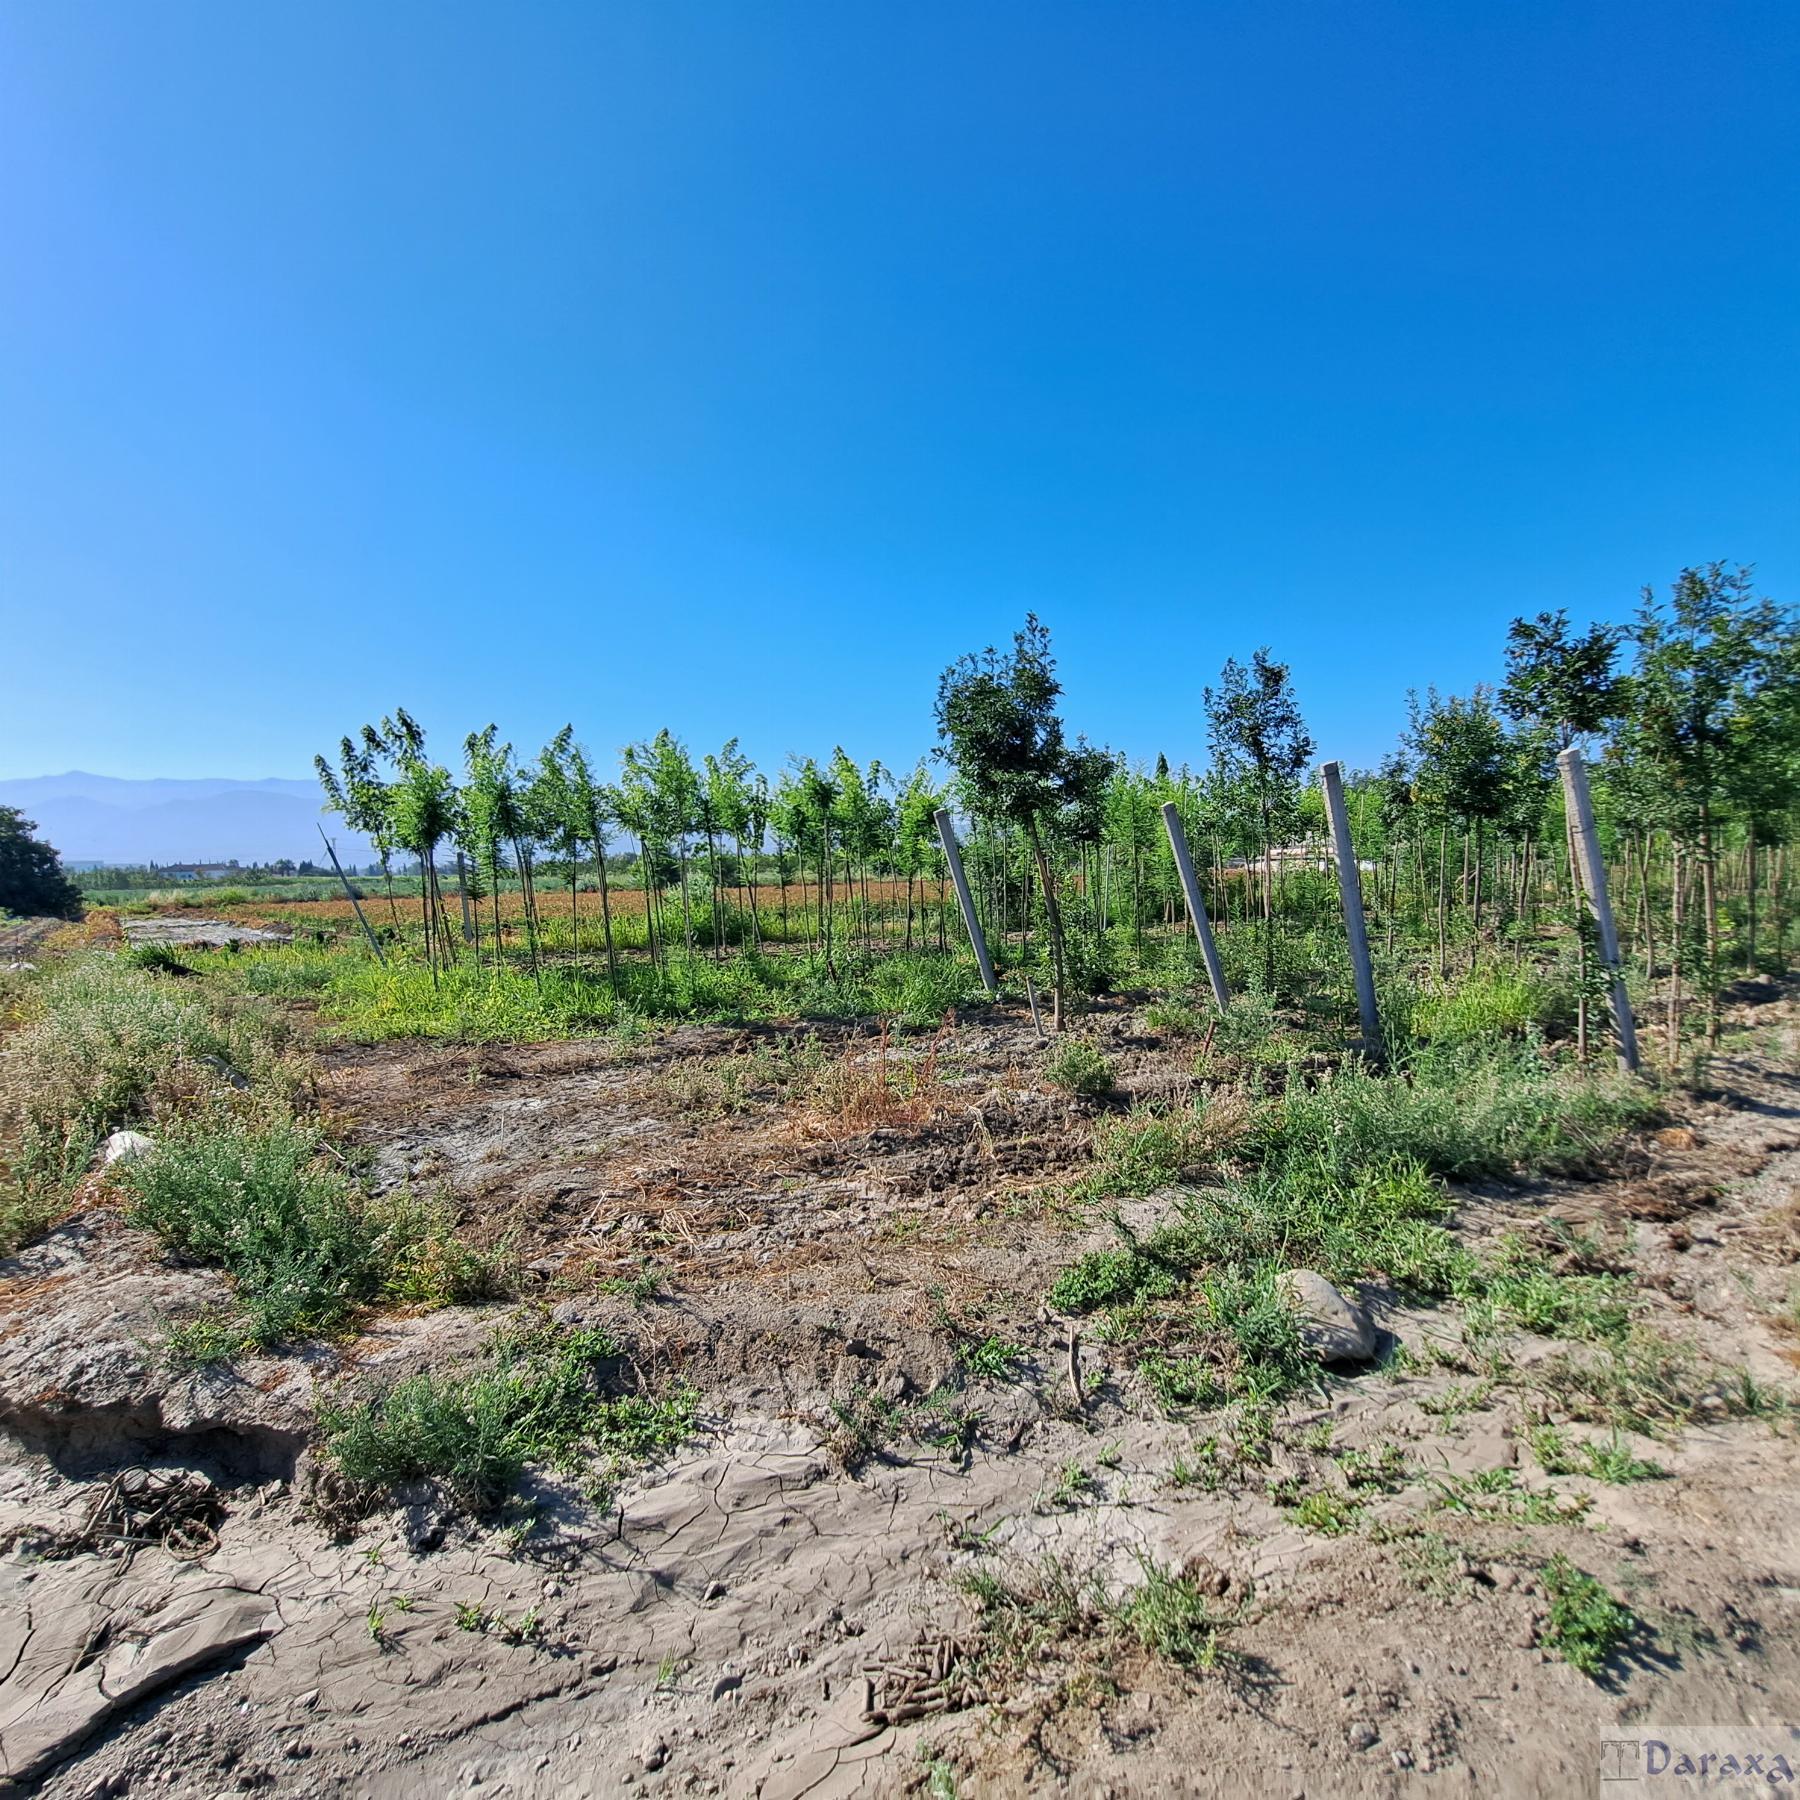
x=814, y=1229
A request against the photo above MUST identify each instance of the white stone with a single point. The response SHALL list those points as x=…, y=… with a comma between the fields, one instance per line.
x=124, y=1146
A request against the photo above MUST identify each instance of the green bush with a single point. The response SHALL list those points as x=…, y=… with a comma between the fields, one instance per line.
x=1493, y=1001
x=259, y=1202
x=1077, y=1067
x=107, y=1043
x=1586, y=1626
x=539, y=1400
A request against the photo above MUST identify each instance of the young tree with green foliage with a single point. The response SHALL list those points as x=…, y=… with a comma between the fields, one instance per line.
x=1260, y=748
x=999, y=728
x=1703, y=662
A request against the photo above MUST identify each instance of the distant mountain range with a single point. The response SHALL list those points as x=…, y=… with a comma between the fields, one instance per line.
x=103, y=819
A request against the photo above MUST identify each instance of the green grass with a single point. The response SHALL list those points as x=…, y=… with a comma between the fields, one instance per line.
x=1494, y=1000
x=1347, y=1178
x=1038, y=1611
x=1645, y=1382
x=1152, y=1147
x=107, y=1043
x=1172, y=1619
x=1586, y=1626
x=1612, y=1461
x=1484, y=1108
x=537, y=1401
x=1077, y=1067
x=304, y=1247
x=372, y=1003
x=987, y=1359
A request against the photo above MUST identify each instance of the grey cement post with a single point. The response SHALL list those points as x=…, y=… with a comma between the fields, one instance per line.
x=953, y=856
x=462, y=887
x=1593, y=880
x=1190, y=886
x=331, y=851
x=1331, y=778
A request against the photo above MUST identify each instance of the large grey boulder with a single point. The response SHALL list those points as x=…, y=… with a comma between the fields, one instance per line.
x=1335, y=1329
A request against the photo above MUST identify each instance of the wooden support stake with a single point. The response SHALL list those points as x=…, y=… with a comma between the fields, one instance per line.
x=953, y=856
x=348, y=889
x=1592, y=869
x=1190, y=886
x=1331, y=778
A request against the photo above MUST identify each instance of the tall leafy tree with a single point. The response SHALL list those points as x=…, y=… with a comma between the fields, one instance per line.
x=999, y=728
x=1261, y=748
x=32, y=882
x=1704, y=661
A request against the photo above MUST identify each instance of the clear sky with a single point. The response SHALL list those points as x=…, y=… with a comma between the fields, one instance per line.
x=735, y=366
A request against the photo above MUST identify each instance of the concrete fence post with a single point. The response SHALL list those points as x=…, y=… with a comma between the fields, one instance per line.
x=1592, y=869
x=1190, y=886
x=331, y=851
x=1331, y=778
x=964, y=899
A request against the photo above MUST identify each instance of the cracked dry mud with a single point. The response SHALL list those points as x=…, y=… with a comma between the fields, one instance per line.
x=711, y=1629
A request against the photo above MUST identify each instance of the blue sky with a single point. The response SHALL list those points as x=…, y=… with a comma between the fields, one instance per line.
x=734, y=367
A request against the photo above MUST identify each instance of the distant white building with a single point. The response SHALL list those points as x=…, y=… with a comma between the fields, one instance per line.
x=198, y=871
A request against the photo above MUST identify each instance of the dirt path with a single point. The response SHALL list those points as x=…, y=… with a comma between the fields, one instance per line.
x=742, y=1619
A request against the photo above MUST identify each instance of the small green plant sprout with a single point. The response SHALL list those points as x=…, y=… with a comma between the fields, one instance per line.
x=639, y=1288
x=987, y=1359
x=525, y=1629
x=377, y=1624
x=470, y=1616
x=1073, y=1485
x=1612, y=1461
x=1384, y=1470
x=1499, y=1493
x=1204, y=1467
x=1327, y=1512
x=1586, y=1626
x=1077, y=1067
x=1181, y=1381
x=940, y=1777
x=1171, y=1618
x=1317, y=1438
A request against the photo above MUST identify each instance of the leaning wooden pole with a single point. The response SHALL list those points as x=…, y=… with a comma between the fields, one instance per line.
x=953, y=856
x=1331, y=778
x=348, y=889
x=1190, y=886
x=1580, y=806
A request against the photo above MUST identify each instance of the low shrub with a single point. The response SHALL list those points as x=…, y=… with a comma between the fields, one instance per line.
x=538, y=1400
x=260, y=1202
x=1077, y=1067
x=1586, y=1626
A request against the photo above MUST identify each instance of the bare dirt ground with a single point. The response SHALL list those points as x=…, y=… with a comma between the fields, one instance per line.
x=806, y=1228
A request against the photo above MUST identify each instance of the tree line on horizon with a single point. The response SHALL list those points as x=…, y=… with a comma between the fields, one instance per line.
x=1690, y=709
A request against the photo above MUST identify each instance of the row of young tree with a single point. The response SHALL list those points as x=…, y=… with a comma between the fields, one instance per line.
x=1693, y=707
